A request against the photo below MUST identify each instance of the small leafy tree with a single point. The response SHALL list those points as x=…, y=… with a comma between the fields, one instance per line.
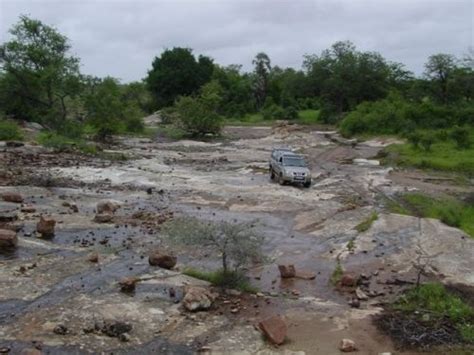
x=462, y=137
x=426, y=141
x=199, y=115
x=237, y=243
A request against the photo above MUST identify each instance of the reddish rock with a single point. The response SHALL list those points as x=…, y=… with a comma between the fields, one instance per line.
x=103, y=218
x=347, y=346
x=305, y=275
x=93, y=257
x=349, y=280
x=274, y=329
x=12, y=197
x=107, y=206
x=45, y=226
x=28, y=209
x=128, y=284
x=8, y=238
x=166, y=261
x=31, y=351
x=287, y=271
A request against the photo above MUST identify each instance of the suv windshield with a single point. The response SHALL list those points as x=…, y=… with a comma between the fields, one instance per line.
x=294, y=161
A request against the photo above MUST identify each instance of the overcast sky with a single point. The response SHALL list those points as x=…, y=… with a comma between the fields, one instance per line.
x=120, y=38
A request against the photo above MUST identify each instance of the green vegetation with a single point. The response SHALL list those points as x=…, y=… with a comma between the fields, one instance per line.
x=62, y=143
x=432, y=301
x=366, y=223
x=443, y=155
x=221, y=278
x=238, y=244
x=9, y=131
x=308, y=116
x=450, y=211
x=337, y=273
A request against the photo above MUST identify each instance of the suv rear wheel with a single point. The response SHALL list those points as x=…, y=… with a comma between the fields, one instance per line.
x=272, y=174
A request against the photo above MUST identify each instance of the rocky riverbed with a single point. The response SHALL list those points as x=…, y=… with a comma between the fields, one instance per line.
x=63, y=292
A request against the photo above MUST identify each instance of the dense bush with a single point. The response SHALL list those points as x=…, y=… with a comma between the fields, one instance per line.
x=273, y=112
x=394, y=115
x=461, y=136
x=196, y=118
x=9, y=131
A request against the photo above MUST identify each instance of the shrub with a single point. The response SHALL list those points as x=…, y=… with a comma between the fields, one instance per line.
x=9, y=131
x=237, y=243
x=426, y=141
x=291, y=113
x=221, y=278
x=461, y=137
x=414, y=138
x=273, y=112
x=196, y=118
x=169, y=115
x=367, y=223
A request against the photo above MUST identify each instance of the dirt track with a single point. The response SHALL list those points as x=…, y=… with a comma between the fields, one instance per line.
x=224, y=180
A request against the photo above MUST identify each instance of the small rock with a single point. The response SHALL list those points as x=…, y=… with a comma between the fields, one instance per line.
x=305, y=275
x=93, y=257
x=274, y=329
x=74, y=208
x=232, y=292
x=347, y=345
x=14, y=144
x=12, y=197
x=115, y=328
x=287, y=271
x=107, y=206
x=31, y=351
x=4, y=350
x=198, y=298
x=103, y=218
x=128, y=284
x=45, y=226
x=348, y=280
x=60, y=329
x=354, y=303
x=28, y=209
x=8, y=239
x=165, y=261
x=361, y=295
x=124, y=337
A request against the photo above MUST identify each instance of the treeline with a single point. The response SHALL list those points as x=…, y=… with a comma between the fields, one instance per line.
x=359, y=91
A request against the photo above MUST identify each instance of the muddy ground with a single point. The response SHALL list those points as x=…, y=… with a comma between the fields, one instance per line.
x=49, y=282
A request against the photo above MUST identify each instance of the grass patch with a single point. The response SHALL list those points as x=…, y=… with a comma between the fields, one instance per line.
x=366, y=223
x=221, y=278
x=10, y=131
x=61, y=143
x=337, y=273
x=308, y=116
x=431, y=302
x=450, y=211
x=443, y=156
x=169, y=131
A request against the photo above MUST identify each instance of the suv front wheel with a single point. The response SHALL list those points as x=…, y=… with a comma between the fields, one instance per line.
x=307, y=184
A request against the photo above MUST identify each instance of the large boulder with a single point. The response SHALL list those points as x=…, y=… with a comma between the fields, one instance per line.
x=8, y=238
x=12, y=197
x=45, y=226
x=347, y=346
x=274, y=329
x=198, y=299
x=287, y=271
x=163, y=260
x=107, y=206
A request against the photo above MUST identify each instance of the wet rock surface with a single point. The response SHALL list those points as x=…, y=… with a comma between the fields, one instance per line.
x=47, y=282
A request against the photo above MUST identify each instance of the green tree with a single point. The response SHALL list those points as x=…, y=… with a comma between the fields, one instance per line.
x=439, y=70
x=177, y=73
x=39, y=74
x=104, y=107
x=261, y=72
x=199, y=115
